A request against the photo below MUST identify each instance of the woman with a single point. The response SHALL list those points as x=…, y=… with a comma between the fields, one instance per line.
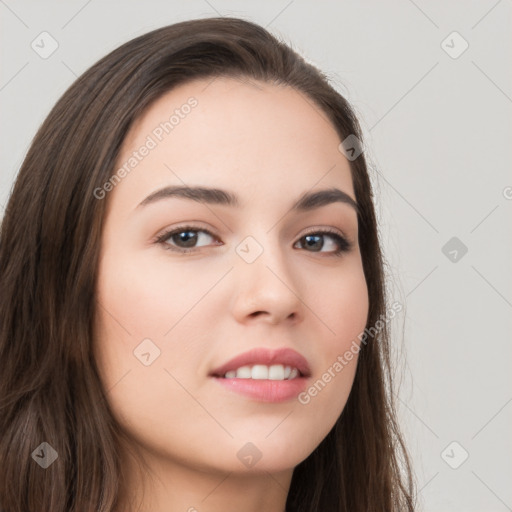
x=193, y=309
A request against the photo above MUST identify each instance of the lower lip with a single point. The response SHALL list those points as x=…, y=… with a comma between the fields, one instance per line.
x=265, y=390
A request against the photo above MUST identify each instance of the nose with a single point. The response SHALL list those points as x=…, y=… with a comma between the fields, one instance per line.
x=267, y=289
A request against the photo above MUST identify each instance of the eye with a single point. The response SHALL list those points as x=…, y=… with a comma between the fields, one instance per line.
x=185, y=238
x=314, y=240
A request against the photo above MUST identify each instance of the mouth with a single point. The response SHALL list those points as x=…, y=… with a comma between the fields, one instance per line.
x=262, y=372
x=265, y=375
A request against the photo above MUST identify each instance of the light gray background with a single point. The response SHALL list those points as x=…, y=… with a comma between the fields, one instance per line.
x=438, y=132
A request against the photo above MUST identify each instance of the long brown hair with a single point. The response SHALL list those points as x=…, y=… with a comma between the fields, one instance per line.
x=50, y=390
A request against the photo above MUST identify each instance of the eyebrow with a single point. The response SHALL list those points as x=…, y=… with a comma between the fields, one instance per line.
x=307, y=201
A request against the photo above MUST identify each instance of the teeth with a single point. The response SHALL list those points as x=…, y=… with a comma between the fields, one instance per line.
x=276, y=372
x=259, y=371
x=263, y=372
x=244, y=372
x=294, y=373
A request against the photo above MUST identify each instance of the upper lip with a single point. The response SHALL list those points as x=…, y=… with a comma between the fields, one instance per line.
x=284, y=356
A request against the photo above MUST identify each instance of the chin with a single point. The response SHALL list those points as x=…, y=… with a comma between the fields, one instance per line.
x=250, y=457
x=274, y=454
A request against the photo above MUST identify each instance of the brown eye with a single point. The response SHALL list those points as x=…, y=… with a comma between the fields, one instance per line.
x=183, y=239
x=316, y=242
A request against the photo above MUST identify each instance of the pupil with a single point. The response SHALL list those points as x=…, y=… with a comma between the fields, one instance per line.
x=308, y=237
x=188, y=237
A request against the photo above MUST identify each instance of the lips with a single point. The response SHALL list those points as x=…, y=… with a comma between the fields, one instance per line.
x=261, y=387
x=263, y=356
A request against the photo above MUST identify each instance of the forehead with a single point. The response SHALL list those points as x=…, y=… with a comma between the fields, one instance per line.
x=237, y=133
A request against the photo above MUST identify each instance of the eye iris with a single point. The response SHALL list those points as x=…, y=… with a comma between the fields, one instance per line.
x=187, y=237
x=312, y=245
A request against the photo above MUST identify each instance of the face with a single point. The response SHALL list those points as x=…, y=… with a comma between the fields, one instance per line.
x=186, y=285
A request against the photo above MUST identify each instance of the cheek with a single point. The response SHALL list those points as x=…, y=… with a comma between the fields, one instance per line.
x=138, y=304
x=146, y=295
x=146, y=305
x=345, y=310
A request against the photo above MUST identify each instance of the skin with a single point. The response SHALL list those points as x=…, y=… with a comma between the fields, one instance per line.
x=268, y=144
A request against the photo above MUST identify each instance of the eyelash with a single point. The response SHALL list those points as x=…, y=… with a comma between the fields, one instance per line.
x=343, y=243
